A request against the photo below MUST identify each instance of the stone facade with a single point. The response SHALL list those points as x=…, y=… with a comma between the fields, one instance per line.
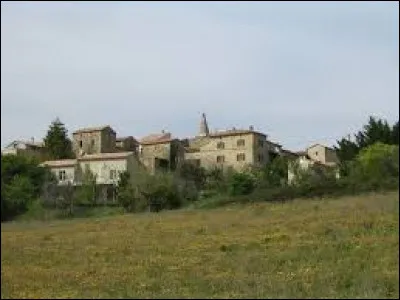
x=128, y=143
x=99, y=147
x=105, y=166
x=322, y=154
x=236, y=149
x=30, y=149
x=94, y=140
x=161, y=154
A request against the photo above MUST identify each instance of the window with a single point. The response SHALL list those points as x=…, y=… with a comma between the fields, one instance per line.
x=61, y=175
x=80, y=144
x=316, y=153
x=221, y=145
x=92, y=142
x=260, y=157
x=240, y=143
x=113, y=174
x=241, y=157
x=260, y=143
x=220, y=159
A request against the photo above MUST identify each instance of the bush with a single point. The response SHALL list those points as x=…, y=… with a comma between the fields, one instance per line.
x=153, y=192
x=242, y=184
x=376, y=162
x=16, y=197
x=21, y=181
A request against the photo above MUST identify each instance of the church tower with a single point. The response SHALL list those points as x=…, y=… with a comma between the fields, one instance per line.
x=203, y=126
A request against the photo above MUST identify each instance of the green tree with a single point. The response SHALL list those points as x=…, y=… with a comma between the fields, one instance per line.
x=86, y=193
x=275, y=173
x=57, y=143
x=376, y=130
x=16, y=197
x=192, y=173
x=126, y=194
x=242, y=183
x=21, y=181
x=395, y=133
x=377, y=162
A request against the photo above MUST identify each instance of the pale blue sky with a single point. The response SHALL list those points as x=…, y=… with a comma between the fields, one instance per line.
x=300, y=72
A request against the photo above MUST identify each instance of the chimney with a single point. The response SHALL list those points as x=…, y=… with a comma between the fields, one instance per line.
x=251, y=127
x=32, y=140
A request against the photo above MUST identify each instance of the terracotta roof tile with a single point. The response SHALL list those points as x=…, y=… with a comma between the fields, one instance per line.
x=156, y=138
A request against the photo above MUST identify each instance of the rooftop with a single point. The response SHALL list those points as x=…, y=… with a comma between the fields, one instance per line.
x=156, y=138
x=93, y=129
x=230, y=132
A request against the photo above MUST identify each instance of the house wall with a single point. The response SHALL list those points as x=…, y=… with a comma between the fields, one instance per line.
x=38, y=153
x=323, y=154
x=251, y=149
x=102, y=168
x=70, y=173
x=108, y=138
x=94, y=142
x=126, y=145
x=149, y=153
x=317, y=153
x=331, y=156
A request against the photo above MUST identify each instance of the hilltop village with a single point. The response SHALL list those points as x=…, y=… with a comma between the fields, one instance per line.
x=107, y=155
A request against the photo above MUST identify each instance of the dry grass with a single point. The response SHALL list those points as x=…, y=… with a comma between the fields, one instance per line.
x=339, y=248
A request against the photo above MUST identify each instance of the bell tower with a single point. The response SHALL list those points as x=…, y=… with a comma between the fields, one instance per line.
x=203, y=126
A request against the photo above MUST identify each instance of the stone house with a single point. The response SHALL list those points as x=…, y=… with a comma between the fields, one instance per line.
x=106, y=167
x=236, y=148
x=94, y=140
x=315, y=155
x=26, y=148
x=323, y=154
x=160, y=151
x=128, y=143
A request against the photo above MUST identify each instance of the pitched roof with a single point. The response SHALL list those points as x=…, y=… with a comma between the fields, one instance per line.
x=124, y=138
x=88, y=157
x=231, y=132
x=105, y=156
x=319, y=144
x=156, y=138
x=93, y=129
x=28, y=143
x=60, y=163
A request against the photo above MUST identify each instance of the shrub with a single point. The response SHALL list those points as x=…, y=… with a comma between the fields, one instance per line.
x=376, y=162
x=16, y=196
x=154, y=192
x=242, y=184
x=21, y=181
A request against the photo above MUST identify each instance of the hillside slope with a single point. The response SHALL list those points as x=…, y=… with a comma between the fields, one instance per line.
x=340, y=248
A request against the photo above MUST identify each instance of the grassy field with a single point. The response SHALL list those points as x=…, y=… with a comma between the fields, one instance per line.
x=326, y=248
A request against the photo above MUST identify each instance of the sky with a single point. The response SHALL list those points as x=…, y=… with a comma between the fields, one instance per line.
x=301, y=72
